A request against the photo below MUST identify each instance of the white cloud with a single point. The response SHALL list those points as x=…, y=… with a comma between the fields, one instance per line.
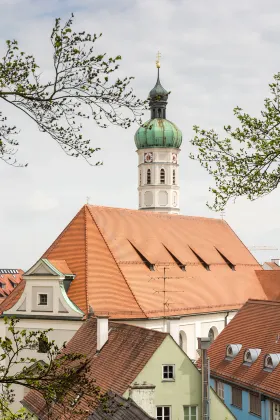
x=216, y=55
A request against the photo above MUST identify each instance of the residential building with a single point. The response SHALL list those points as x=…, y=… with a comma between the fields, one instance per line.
x=146, y=366
x=274, y=264
x=244, y=362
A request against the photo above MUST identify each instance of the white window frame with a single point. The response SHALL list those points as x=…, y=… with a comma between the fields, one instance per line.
x=162, y=373
x=220, y=390
x=189, y=407
x=164, y=406
x=275, y=416
x=38, y=299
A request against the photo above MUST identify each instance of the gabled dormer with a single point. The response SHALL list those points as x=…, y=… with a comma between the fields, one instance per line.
x=45, y=292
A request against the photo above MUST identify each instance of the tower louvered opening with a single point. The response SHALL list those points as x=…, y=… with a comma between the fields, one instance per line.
x=205, y=265
x=143, y=258
x=178, y=262
x=227, y=261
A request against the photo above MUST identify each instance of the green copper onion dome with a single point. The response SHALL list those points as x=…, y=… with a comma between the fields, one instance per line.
x=158, y=131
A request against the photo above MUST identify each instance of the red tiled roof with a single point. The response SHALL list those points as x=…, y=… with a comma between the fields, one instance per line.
x=270, y=281
x=61, y=265
x=13, y=297
x=99, y=247
x=8, y=278
x=121, y=359
x=256, y=325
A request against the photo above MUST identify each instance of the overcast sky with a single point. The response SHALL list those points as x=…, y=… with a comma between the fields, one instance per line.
x=215, y=55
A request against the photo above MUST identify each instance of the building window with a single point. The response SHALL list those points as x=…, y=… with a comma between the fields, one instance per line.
x=162, y=176
x=3, y=285
x=211, y=335
x=168, y=372
x=275, y=411
x=140, y=182
x=236, y=397
x=190, y=412
x=255, y=404
x=148, y=176
x=42, y=299
x=174, y=177
x=164, y=413
x=220, y=390
x=43, y=345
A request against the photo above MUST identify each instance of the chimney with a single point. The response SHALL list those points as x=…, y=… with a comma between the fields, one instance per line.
x=143, y=394
x=102, y=331
x=203, y=345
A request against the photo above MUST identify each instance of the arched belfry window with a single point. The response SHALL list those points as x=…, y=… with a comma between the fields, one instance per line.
x=162, y=176
x=148, y=176
x=174, y=177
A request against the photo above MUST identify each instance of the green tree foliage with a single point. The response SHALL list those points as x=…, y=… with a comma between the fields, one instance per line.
x=60, y=377
x=247, y=161
x=81, y=88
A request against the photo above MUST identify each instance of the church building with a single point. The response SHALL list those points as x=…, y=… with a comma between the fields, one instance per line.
x=150, y=267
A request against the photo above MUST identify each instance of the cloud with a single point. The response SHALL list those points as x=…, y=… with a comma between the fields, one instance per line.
x=215, y=55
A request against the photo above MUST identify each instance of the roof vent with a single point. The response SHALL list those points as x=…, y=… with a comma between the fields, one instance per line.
x=205, y=265
x=231, y=266
x=143, y=258
x=178, y=262
x=271, y=361
x=232, y=351
x=250, y=356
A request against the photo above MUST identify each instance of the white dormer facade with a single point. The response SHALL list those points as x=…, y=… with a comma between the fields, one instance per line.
x=44, y=304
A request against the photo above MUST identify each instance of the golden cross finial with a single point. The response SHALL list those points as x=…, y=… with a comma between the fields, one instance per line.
x=158, y=60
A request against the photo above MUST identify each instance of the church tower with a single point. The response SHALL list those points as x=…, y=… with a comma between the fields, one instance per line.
x=158, y=144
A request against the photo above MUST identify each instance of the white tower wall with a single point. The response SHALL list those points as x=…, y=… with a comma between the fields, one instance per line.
x=154, y=194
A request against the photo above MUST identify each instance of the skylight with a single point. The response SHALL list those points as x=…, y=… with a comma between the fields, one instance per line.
x=205, y=265
x=144, y=259
x=178, y=262
x=231, y=266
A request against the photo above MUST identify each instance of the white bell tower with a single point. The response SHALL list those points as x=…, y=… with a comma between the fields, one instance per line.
x=158, y=144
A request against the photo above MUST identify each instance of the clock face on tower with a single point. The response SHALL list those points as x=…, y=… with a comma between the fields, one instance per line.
x=174, y=158
x=148, y=157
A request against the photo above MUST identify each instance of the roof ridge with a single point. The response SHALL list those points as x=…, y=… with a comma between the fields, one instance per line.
x=115, y=261
x=263, y=302
x=157, y=214
x=123, y=324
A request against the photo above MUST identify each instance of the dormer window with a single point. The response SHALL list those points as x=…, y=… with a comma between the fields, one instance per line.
x=271, y=361
x=250, y=356
x=42, y=299
x=232, y=351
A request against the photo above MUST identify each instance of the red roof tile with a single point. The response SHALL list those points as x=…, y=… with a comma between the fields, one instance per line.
x=256, y=325
x=270, y=281
x=112, y=278
x=121, y=359
x=13, y=297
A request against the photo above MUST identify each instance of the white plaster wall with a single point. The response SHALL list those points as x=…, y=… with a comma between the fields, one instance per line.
x=62, y=331
x=194, y=327
x=145, y=398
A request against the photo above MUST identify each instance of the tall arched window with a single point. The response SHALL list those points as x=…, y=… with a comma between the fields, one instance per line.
x=148, y=176
x=174, y=177
x=183, y=341
x=162, y=176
